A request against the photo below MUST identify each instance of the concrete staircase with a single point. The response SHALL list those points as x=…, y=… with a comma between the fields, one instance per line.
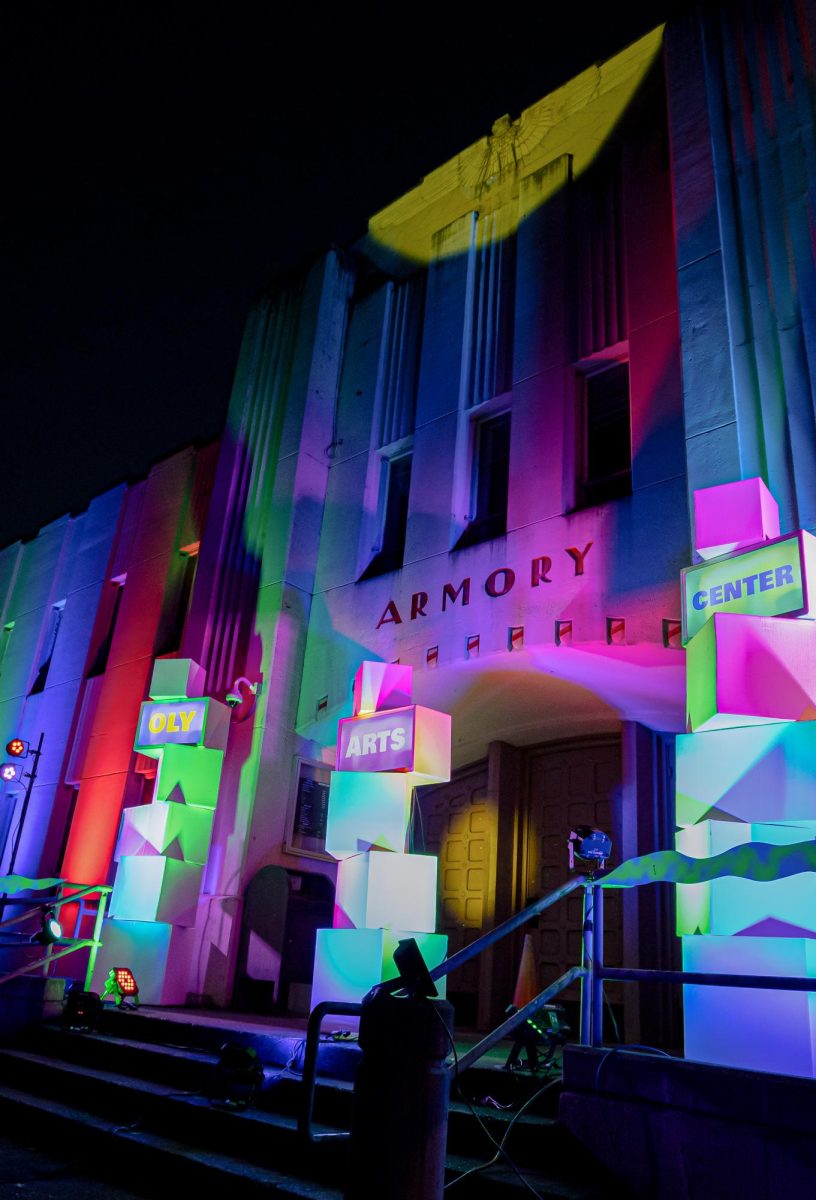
x=130, y=1100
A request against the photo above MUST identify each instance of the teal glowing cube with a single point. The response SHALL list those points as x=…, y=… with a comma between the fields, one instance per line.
x=367, y=811
x=159, y=955
x=176, y=679
x=730, y=905
x=349, y=962
x=764, y=773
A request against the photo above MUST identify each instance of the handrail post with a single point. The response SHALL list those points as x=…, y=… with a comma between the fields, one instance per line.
x=101, y=905
x=588, y=963
x=596, y=978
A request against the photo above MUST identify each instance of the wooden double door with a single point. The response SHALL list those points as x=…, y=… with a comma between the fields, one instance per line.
x=500, y=830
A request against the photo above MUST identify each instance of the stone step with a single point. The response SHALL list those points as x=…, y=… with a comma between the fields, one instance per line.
x=101, y=1072
x=160, y=1166
x=163, y=1167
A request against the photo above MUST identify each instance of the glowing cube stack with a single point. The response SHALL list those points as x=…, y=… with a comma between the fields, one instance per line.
x=386, y=749
x=746, y=772
x=163, y=846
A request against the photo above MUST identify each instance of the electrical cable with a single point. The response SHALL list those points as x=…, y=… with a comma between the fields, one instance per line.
x=499, y=1145
x=500, y=1150
x=636, y=1047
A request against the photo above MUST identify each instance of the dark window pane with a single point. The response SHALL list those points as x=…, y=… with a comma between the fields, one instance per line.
x=608, y=454
x=492, y=477
x=395, y=519
x=493, y=468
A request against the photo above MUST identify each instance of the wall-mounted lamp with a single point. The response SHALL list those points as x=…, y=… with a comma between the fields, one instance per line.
x=242, y=700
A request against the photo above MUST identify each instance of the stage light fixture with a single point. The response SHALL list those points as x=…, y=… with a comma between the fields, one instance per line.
x=237, y=1076
x=121, y=986
x=547, y=1030
x=81, y=1010
x=592, y=847
x=18, y=748
x=11, y=772
x=50, y=930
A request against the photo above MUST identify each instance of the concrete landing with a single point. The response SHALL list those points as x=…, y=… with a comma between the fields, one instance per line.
x=681, y=1130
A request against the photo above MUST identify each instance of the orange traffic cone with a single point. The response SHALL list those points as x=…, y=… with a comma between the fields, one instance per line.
x=527, y=982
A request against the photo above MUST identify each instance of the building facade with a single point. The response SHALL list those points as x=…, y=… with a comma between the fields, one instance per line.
x=468, y=444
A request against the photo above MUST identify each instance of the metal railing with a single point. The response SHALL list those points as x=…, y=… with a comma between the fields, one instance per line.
x=598, y=973
x=456, y=960
x=67, y=893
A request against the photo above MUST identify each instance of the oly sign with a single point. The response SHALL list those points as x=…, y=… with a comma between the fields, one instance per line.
x=181, y=723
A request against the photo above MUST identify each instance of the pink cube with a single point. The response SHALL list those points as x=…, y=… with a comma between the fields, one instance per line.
x=733, y=516
x=744, y=670
x=379, y=685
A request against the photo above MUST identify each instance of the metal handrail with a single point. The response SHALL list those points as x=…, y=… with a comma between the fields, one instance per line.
x=492, y=936
x=48, y=958
x=518, y=1018
x=68, y=946
x=444, y=968
x=324, y=1009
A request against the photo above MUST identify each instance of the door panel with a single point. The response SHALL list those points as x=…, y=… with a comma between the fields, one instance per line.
x=459, y=822
x=569, y=785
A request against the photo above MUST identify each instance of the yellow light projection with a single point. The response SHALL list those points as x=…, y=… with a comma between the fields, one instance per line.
x=520, y=164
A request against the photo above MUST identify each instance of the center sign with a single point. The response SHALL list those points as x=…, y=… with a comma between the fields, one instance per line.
x=771, y=581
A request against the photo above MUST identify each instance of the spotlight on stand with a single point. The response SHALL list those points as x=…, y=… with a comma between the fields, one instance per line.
x=11, y=772
x=237, y=1076
x=18, y=748
x=81, y=1010
x=414, y=976
x=121, y=987
x=50, y=930
x=591, y=847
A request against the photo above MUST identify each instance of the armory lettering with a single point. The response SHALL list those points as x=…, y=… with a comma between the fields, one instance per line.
x=498, y=583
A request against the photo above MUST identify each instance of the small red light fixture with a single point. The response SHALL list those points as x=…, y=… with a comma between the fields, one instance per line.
x=17, y=748
x=121, y=987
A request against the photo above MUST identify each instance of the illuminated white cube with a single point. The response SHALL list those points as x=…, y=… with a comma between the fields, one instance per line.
x=156, y=889
x=367, y=810
x=381, y=889
x=173, y=830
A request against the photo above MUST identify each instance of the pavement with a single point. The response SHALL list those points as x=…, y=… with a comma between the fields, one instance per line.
x=30, y=1174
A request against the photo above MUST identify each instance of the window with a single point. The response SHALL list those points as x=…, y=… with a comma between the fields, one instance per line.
x=48, y=648
x=396, y=486
x=605, y=467
x=5, y=638
x=177, y=602
x=388, y=478
x=112, y=600
x=491, y=474
x=488, y=347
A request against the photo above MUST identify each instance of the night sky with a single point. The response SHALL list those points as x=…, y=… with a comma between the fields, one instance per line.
x=165, y=161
